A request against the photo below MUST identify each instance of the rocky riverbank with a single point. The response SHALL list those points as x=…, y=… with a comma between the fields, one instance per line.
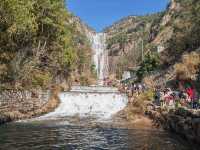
x=16, y=104
x=182, y=121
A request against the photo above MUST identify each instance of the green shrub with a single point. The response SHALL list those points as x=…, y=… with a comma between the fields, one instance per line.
x=150, y=63
x=148, y=95
x=197, y=82
x=84, y=80
x=93, y=70
x=41, y=79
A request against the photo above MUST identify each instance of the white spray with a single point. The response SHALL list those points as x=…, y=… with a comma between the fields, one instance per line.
x=101, y=104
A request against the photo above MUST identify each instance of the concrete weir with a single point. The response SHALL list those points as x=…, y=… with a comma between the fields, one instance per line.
x=100, y=102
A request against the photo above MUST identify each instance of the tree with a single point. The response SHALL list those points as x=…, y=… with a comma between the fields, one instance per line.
x=150, y=63
x=35, y=37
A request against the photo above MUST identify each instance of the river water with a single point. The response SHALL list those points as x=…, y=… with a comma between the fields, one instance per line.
x=84, y=121
x=84, y=134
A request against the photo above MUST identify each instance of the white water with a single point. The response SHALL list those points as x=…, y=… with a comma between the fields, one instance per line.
x=99, y=89
x=101, y=104
x=100, y=56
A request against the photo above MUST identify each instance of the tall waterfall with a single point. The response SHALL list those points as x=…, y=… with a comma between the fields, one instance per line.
x=100, y=55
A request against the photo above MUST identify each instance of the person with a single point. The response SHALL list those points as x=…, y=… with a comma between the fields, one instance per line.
x=162, y=101
x=132, y=88
x=140, y=88
x=183, y=98
x=157, y=97
x=190, y=92
x=168, y=97
x=143, y=87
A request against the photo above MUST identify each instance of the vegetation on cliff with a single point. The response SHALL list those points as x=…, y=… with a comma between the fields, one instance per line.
x=170, y=33
x=178, y=30
x=127, y=40
x=148, y=65
x=38, y=44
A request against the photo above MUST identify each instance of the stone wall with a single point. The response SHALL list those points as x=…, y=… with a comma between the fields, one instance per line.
x=16, y=104
x=23, y=101
x=182, y=121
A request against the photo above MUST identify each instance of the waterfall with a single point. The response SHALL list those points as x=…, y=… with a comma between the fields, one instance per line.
x=100, y=55
x=97, y=101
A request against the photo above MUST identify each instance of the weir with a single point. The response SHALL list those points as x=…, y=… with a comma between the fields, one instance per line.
x=100, y=104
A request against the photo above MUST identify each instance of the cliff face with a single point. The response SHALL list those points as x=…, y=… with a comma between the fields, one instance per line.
x=126, y=39
x=170, y=33
x=178, y=30
x=83, y=73
x=82, y=27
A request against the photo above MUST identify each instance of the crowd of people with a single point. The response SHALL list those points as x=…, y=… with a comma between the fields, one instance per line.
x=186, y=95
x=173, y=99
x=134, y=88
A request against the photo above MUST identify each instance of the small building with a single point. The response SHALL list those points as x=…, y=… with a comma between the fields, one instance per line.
x=126, y=75
x=130, y=75
x=160, y=48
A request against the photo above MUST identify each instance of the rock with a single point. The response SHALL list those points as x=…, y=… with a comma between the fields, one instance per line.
x=184, y=122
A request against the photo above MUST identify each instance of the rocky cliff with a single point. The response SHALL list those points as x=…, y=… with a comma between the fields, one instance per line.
x=83, y=73
x=169, y=33
x=127, y=39
x=178, y=30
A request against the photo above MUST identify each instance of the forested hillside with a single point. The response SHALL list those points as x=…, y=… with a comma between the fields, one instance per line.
x=126, y=40
x=179, y=30
x=164, y=36
x=40, y=45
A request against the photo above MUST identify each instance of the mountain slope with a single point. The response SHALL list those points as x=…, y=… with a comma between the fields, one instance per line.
x=181, y=25
x=170, y=34
x=126, y=40
x=38, y=44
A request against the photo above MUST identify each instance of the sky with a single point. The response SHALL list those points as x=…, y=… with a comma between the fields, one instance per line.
x=99, y=14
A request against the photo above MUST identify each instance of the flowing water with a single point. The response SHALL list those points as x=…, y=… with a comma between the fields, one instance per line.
x=98, y=102
x=68, y=135
x=100, y=56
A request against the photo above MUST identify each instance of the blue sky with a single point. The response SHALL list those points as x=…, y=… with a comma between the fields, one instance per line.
x=99, y=14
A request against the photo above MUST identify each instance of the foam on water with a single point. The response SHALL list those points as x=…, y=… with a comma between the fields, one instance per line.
x=83, y=103
x=99, y=89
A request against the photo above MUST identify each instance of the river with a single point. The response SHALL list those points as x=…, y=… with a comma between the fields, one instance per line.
x=83, y=134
